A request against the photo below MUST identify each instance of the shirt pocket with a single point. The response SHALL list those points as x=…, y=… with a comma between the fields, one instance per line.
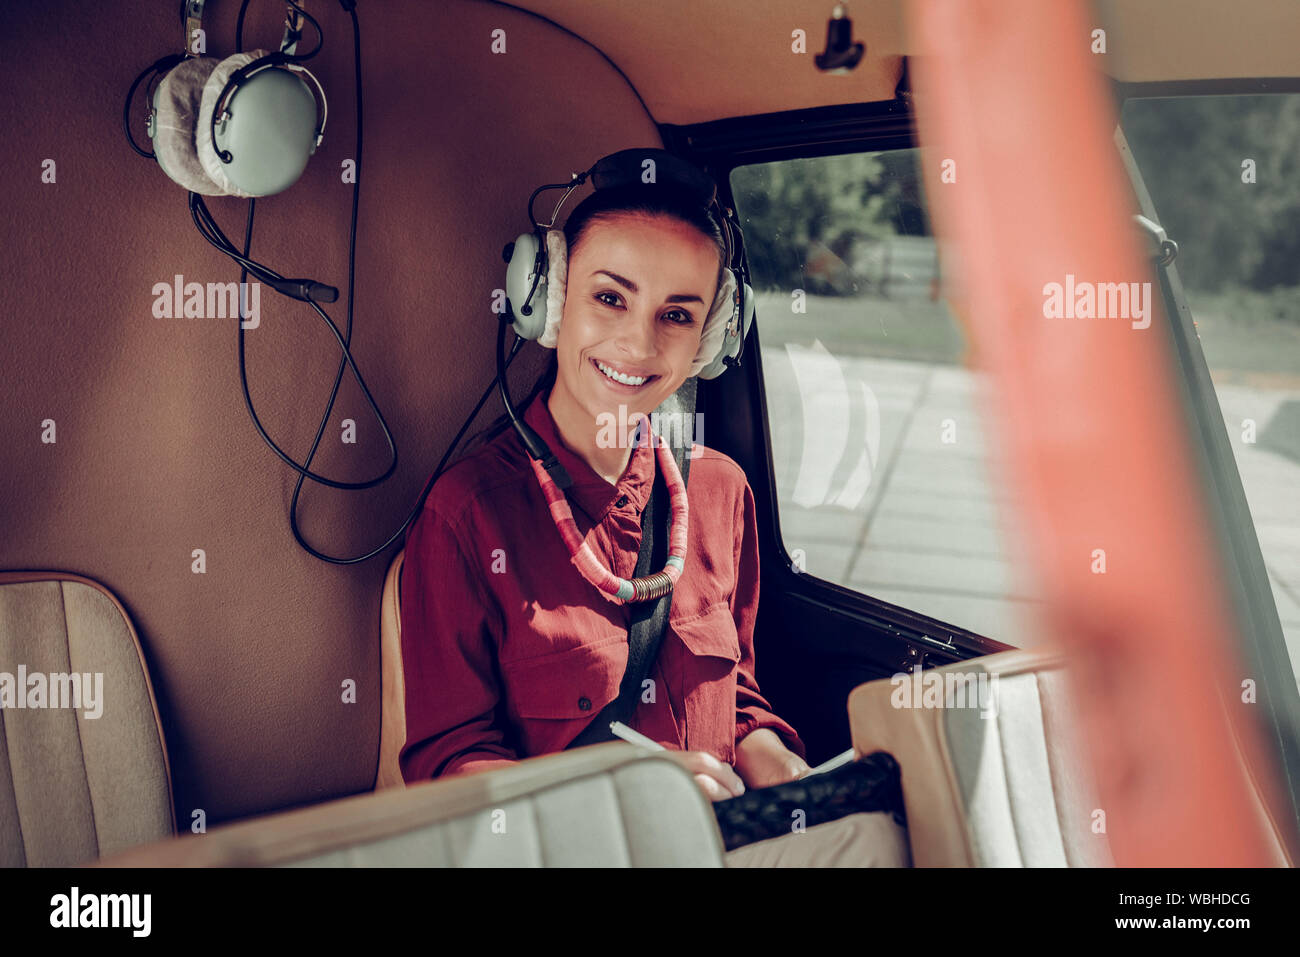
x=711, y=649
x=553, y=697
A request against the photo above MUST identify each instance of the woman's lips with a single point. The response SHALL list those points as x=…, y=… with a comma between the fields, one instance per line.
x=620, y=386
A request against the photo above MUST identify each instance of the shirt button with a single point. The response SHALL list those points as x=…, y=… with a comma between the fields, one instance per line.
x=584, y=703
x=622, y=500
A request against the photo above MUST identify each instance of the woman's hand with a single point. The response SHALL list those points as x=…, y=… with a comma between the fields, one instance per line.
x=716, y=780
x=762, y=760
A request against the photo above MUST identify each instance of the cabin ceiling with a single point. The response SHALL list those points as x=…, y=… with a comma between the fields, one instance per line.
x=697, y=60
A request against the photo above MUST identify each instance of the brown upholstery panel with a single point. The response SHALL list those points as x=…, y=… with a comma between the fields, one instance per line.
x=76, y=783
x=734, y=59
x=699, y=60
x=1199, y=39
x=156, y=456
x=609, y=805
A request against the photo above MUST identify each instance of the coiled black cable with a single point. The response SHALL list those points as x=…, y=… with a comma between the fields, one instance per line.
x=213, y=234
x=345, y=341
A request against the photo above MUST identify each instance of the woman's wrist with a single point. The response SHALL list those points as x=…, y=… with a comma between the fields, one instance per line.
x=762, y=760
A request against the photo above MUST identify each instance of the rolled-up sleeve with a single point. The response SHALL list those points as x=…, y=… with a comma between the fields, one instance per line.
x=448, y=658
x=752, y=709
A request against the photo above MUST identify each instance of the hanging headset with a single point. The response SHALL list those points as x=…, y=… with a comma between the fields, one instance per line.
x=244, y=125
x=203, y=143
x=537, y=263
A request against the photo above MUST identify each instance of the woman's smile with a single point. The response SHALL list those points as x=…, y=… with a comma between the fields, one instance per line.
x=620, y=379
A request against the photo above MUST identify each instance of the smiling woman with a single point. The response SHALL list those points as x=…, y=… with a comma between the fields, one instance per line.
x=641, y=276
x=620, y=234
x=511, y=642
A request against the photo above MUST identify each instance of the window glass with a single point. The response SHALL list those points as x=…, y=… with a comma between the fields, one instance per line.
x=1223, y=173
x=882, y=468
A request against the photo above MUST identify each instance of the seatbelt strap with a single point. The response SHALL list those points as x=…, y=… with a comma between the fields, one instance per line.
x=648, y=619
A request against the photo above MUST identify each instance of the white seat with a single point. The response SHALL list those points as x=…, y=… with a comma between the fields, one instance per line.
x=609, y=805
x=1008, y=790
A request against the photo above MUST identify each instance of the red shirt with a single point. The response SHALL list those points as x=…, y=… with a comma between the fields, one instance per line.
x=508, y=652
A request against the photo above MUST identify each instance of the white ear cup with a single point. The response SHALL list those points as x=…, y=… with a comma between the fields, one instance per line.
x=519, y=281
x=557, y=274
x=736, y=328
x=206, y=149
x=715, y=326
x=176, y=109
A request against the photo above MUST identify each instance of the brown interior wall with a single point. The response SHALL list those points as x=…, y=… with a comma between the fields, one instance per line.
x=155, y=453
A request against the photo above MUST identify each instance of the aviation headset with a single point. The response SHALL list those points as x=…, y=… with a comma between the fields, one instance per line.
x=244, y=125
x=537, y=265
x=537, y=262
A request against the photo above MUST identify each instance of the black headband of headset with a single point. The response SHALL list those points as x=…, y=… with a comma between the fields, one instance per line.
x=627, y=168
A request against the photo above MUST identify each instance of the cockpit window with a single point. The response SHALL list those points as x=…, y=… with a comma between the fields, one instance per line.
x=883, y=469
x=1223, y=174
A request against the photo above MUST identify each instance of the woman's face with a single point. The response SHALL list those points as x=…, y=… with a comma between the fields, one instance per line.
x=637, y=294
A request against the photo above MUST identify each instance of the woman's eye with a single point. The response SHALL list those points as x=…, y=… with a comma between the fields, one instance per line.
x=682, y=318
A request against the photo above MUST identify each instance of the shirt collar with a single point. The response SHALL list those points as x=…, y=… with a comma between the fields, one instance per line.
x=592, y=493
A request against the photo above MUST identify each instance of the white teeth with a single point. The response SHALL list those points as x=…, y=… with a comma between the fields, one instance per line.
x=620, y=377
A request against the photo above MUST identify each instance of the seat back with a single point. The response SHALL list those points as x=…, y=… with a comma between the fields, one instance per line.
x=1006, y=786
x=608, y=805
x=392, y=727
x=1000, y=789
x=75, y=782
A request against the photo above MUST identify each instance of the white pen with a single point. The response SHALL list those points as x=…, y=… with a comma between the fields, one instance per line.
x=836, y=762
x=634, y=737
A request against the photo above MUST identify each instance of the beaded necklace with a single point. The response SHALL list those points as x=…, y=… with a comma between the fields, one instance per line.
x=616, y=589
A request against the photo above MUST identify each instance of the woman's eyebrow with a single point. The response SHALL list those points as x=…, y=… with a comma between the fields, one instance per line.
x=630, y=286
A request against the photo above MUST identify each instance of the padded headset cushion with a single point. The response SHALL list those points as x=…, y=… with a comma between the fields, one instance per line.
x=557, y=271
x=715, y=326
x=203, y=143
x=177, y=105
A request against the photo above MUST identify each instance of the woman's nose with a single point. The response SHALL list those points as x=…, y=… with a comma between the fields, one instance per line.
x=638, y=340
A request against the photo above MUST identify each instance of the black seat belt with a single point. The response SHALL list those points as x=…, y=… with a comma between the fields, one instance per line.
x=648, y=619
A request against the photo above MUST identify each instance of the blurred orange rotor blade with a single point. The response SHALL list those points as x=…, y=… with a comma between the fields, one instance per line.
x=1013, y=113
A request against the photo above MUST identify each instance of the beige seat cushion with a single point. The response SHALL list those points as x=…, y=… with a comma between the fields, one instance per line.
x=74, y=787
x=609, y=805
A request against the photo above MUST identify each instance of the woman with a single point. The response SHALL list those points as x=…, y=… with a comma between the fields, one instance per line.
x=508, y=650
